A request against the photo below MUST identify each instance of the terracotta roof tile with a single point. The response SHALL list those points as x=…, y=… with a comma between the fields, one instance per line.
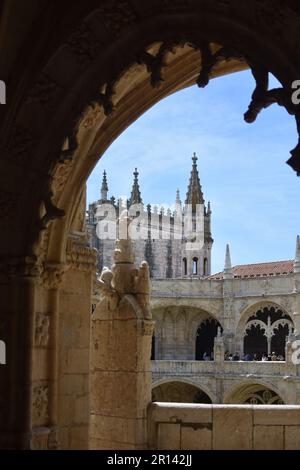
x=275, y=268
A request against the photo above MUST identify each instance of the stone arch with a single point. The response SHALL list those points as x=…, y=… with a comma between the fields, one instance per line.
x=54, y=138
x=251, y=310
x=197, y=387
x=131, y=36
x=252, y=392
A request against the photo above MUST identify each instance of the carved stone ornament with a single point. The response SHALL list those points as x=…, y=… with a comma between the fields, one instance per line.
x=80, y=256
x=42, y=324
x=104, y=284
x=39, y=438
x=40, y=403
x=52, y=276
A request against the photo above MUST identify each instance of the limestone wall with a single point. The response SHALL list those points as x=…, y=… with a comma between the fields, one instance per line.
x=223, y=427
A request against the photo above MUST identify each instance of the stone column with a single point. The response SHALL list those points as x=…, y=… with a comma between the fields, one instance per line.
x=18, y=280
x=120, y=355
x=219, y=347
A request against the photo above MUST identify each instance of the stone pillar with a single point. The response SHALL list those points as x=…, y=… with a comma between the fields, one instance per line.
x=219, y=347
x=18, y=280
x=120, y=355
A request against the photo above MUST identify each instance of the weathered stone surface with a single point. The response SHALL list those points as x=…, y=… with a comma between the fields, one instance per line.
x=268, y=438
x=168, y=436
x=292, y=437
x=232, y=427
x=196, y=437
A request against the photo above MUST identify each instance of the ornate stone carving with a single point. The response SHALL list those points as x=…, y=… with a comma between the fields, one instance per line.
x=125, y=278
x=106, y=289
x=51, y=211
x=83, y=44
x=117, y=15
x=142, y=288
x=53, y=440
x=52, y=275
x=40, y=404
x=45, y=91
x=60, y=175
x=80, y=256
x=92, y=116
x=22, y=145
x=155, y=63
x=42, y=323
x=39, y=438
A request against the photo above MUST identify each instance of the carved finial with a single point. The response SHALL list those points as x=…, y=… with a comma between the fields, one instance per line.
x=194, y=193
x=135, y=197
x=123, y=251
x=177, y=201
x=297, y=256
x=104, y=187
x=208, y=208
x=228, y=273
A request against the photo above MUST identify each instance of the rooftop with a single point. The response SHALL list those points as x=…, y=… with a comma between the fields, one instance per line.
x=275, y=268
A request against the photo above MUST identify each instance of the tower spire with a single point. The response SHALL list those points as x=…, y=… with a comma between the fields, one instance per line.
x=104, y=187
x=194, y=193
x=228, y=273
x=135, y=197
x=297, y=256
x=177, y=201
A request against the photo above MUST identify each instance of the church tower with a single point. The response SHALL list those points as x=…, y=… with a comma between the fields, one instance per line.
x=197, y=239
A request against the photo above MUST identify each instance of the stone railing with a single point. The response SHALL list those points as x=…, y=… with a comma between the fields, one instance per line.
x=174, y=426
x=164, y=369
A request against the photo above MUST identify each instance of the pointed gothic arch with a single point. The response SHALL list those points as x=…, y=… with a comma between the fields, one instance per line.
x=54, y=134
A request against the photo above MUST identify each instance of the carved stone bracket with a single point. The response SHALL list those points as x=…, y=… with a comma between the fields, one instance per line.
x=52, y=212
x=155, y=63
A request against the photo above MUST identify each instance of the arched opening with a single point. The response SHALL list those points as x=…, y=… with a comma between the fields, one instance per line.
x=254, y=394
x=266, y=331
x=195, y=266
x=85, y=67
x=153, y=348
x=184, y=266
x=179, y=392
x=205, y=267
x=205, y=336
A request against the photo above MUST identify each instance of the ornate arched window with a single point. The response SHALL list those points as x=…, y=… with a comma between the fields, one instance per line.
x=266, y=331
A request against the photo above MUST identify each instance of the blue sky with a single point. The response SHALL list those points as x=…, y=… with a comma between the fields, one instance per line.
x=254, y=194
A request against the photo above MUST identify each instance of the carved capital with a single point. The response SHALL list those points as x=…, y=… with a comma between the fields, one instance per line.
x=52, y=276
x=39, y=438
x=80, y=256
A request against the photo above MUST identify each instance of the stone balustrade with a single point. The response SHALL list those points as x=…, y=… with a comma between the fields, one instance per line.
x=174, y=426
x=163, y=369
